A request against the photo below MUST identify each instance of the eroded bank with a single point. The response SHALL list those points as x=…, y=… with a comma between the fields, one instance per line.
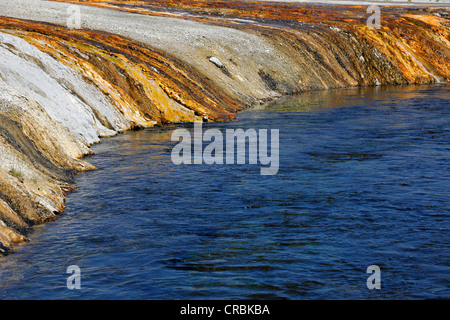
x=61, y=90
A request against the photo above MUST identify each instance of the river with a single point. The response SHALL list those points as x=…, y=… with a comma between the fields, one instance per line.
x=363, y=179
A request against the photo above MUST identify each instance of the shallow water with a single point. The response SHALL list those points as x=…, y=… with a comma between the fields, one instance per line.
x=363, y=180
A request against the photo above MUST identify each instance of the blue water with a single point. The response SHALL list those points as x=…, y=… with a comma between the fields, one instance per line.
x=363, y=180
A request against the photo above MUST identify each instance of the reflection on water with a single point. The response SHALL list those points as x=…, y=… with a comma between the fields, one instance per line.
x=363, y=180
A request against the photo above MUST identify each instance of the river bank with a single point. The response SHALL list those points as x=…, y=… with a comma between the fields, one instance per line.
x=63, y=89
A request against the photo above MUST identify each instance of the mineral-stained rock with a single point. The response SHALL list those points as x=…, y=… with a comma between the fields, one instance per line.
x=62, y=89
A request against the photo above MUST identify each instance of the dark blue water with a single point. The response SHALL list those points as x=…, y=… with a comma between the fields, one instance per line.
x=363, y=180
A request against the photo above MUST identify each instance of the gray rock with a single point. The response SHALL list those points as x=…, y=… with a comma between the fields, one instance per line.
x=217, y=62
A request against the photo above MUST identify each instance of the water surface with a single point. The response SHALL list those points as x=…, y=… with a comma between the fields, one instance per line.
x=363, y=180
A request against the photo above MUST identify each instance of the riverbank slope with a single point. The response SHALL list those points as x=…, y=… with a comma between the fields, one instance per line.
x=138, y=64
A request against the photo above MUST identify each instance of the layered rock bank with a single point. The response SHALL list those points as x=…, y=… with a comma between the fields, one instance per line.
x=135, y=64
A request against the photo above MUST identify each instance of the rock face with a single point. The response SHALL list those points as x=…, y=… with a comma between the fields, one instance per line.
x=61, y=90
